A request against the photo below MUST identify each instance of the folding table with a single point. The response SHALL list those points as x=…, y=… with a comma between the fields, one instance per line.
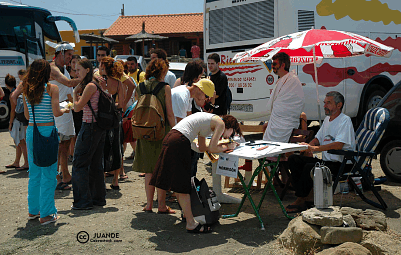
x=250, y=151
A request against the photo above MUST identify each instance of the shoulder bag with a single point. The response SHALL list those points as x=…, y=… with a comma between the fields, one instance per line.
x=45, y=149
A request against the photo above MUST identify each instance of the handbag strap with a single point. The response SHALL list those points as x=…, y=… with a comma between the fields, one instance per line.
x=33, y=113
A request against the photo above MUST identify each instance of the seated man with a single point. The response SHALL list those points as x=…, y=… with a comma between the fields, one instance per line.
x=336, y=133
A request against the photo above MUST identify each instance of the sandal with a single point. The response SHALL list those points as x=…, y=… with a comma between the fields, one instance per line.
x=123, y=176
x=115, y=187
x=147, y=211
x=12, y=166
x=167, y=211
x=197, y=230
x=52, y=220
x=22, y=168
x=32, y=216
x=63, y=186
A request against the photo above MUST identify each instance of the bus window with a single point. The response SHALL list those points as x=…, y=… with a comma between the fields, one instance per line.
x=15, y=26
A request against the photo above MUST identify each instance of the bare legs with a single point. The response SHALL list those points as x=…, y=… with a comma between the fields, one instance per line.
x=150, y=191
x=18, y=154
x=63, y=160
x=116, y=173
x=22, y=146
x=185, y=203
x=161, y=196
x=20, y=150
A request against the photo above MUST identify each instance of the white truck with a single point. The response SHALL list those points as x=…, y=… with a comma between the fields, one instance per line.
x=232, y=26
x=23, y=31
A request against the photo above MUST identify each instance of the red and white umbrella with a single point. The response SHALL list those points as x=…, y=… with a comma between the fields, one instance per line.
x=312, y=46
x=327, y=43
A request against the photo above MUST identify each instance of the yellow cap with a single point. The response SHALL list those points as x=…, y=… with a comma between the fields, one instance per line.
x=207, y=86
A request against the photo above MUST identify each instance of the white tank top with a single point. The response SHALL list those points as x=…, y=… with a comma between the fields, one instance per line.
x=64, y=123
x=195, y=124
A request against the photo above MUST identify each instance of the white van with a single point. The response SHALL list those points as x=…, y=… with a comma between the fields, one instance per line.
x=232, y=26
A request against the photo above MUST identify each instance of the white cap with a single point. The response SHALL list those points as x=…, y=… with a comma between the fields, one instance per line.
x=64, y=46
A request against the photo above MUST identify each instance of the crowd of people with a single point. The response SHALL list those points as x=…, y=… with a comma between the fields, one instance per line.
x=194, y=105
x=60, y=102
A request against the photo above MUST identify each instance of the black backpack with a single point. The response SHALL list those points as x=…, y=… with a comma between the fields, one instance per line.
x=107, y=116
x=19, y=110
x=204, y=204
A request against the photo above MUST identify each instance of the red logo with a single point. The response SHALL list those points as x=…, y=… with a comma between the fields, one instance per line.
x=270, y=79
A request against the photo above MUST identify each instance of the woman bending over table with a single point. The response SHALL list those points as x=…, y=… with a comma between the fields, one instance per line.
x=173, y=168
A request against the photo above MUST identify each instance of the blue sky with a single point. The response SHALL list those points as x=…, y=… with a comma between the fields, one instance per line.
x=97, y=14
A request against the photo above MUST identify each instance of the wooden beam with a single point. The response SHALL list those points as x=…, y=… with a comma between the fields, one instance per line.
x=251, y=128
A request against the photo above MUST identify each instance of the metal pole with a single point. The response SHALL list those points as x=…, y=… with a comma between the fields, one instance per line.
x=317, y=86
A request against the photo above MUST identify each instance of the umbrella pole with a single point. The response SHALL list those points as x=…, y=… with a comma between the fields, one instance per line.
x=317, y=86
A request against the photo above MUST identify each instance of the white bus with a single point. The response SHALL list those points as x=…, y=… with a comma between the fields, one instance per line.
x=23, y=31
x=232, y=26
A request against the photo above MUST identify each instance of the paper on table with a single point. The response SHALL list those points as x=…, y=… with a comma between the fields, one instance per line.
x=251, y=152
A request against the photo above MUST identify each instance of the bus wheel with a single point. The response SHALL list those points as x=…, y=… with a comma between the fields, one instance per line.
x=390, y=160
x=4, y=113
x=373, y=96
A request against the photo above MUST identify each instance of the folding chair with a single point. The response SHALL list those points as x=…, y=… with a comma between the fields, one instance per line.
x=368, y=136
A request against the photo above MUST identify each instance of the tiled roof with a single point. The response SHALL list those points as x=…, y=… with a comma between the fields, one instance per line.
x=157, y=24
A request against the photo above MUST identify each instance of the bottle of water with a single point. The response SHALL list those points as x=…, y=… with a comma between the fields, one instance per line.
x=344, y=188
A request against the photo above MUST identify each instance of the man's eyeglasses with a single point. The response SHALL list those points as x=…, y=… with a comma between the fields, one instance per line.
x=275, y=63
x=101, y=55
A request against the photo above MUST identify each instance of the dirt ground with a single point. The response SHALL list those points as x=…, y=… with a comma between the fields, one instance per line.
x=132, y=231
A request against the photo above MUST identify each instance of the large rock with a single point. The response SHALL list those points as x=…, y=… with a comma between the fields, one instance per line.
x=368, y=219
x=300, y=236
x=331, y=216
x=339, y=235
x=351, y=211
x=346, y=249
x=381, y=243
x=372, y=220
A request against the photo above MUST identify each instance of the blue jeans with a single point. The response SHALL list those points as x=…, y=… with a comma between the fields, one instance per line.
x=42, y=180
x=87, y=169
